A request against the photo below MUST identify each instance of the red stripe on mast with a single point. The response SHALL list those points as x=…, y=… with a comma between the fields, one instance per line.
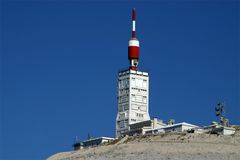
x=133, y=45
x=133, y=34
x=134, y=14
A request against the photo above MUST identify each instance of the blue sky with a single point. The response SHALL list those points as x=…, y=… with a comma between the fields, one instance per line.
x=59, y=63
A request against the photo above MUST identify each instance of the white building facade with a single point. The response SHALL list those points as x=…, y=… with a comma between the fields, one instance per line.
x=133, y=99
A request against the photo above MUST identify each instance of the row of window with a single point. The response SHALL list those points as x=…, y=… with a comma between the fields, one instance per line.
x=123, y=115
x=123, y=123
x=139, y=107
x=139, y=99
x=135, y=82
x=124, y=92
x=139, y=95
x=139, y=89
x=123, y=99
x=123, y=107
x=123, y=83
x=135, y=98
x=138, y=78
x=124, y=89
x=139, y=114
x=139, y=83
x=133, y=120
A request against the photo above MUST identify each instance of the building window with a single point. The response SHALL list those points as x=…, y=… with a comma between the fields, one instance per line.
x=123, y=99
x=139, y=115
x=121, y=124
x=133, y=97
x=133, y=82
x=120, y=108
x=139, y=82
x=139, y=99
x=143, y=108
x=122, y=115
x=144, y=99
x=134, y=106
x=125, y=107
x=125, y=123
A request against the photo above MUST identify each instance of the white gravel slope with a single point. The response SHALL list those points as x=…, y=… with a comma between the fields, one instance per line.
x=162, y=147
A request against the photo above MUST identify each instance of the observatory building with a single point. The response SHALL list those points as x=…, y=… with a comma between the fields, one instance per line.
x=133, y=89
x=133, y=97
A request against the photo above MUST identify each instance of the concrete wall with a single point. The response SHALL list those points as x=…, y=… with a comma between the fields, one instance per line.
x=133, y=99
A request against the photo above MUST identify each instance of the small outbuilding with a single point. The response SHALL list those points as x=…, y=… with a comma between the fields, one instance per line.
x=92, y=142
x=140, y=128
x=178, y=127
x=222, y=130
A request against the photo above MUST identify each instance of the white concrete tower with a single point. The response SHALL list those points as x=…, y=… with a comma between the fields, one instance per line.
x=133, y=90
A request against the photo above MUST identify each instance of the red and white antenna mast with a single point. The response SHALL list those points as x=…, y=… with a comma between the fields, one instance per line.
x=133, y=45
x=134, y=23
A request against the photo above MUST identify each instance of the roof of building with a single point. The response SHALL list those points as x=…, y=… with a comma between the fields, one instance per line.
x=98, y=138
x=179, y=124
x=130, y=71
x=176, y=125
x=148, y=122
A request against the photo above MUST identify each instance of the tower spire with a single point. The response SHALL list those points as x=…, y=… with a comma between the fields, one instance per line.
x=133, y=45
x=133, y=103
x=134, y=23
